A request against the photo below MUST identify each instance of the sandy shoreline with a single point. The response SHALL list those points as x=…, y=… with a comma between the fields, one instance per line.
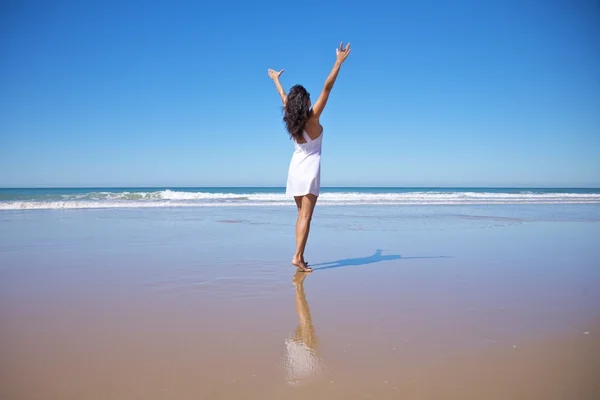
x=180, y=305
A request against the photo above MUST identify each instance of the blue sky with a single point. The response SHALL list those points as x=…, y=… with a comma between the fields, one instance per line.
x=464, y=93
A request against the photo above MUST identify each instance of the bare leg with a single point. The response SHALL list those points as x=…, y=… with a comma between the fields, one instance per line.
x=306, y=205
x=298, y=200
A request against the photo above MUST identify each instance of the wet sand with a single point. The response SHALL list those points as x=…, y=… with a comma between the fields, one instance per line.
x=452, y=303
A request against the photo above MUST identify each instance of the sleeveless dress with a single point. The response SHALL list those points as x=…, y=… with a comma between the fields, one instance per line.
x=304, y=174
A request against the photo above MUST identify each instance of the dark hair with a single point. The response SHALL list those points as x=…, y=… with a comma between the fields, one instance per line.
x=296, y=111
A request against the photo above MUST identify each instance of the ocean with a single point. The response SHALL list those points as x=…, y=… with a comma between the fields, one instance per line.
x=96, y=198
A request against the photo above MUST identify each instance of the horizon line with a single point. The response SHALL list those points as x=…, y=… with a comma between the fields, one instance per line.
x=283, y=187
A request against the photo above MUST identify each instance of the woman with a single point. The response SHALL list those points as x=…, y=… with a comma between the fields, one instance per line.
x=303, y=126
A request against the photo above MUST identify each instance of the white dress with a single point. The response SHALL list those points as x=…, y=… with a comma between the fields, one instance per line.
x=304, y=174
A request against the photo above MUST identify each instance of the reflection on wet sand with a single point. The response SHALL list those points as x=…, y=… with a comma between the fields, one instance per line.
x=302, y=361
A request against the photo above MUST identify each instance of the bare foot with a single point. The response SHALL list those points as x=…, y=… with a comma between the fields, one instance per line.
x=301, y=265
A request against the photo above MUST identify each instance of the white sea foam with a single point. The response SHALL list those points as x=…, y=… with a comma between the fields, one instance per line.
x=173, y=198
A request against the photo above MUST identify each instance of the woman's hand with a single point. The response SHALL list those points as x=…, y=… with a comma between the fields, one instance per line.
x=342, y=53
x=274, y=74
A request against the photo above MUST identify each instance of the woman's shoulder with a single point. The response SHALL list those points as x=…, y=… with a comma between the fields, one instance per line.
x=313, y=128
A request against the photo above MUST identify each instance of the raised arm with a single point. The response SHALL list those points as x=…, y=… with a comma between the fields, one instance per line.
x=341, y=55
x=275, y=76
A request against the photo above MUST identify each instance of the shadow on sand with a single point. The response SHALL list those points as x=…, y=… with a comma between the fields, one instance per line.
x=375, y=258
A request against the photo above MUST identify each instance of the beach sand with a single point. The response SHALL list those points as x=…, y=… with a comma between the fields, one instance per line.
x=442, y=302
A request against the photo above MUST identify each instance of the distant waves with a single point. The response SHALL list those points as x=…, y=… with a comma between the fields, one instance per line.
x=174, y=198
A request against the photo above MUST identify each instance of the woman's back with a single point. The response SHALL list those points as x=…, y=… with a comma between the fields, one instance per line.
x=309, y=145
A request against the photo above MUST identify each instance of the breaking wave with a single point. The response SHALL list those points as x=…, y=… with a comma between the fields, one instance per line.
x=174, y=198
